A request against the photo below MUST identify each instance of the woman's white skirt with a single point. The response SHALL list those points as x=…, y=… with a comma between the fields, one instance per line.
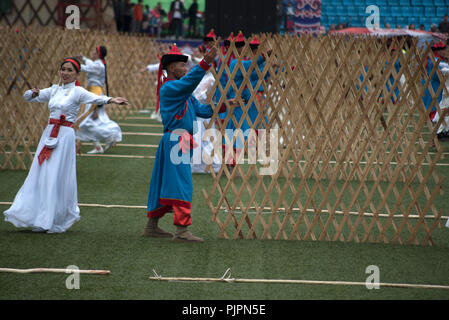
x=48, y=199
x=197, y=162
x=100, y=129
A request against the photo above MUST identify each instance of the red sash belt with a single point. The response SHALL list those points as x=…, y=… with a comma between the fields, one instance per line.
x=186, y=141
x=46, y=152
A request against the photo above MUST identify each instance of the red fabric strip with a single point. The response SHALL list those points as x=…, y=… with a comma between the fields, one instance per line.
x=46, y=152
x=204, y=65
x=175, y=202
x=182, y=216
x=158, y=88
x=186, y=141
x=159, y=212
x=179, y=117
x=222, y=108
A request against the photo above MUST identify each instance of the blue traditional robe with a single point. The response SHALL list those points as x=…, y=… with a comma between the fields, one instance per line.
x=434, y=82
x=253, y=112
x=224, y=78
x=390, y=82
x=245, y=95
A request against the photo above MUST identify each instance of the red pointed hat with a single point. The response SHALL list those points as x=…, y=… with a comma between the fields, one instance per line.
x=439, y=46
x=240, y=37
x=227, y=42
x=240, y=40
x=211, y=36
x=173, y=56
x=254, y=43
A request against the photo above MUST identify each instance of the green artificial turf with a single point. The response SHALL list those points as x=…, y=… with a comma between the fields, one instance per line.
x=110, y=238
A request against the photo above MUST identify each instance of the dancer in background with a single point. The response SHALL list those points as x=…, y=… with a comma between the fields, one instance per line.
x=192, y=60
x=198, y=165
x=442, y=53
x=208, y=42
x=48, y=199
x=97, y=127
x=434, y=81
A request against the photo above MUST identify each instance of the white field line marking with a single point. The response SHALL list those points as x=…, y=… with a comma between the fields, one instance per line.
x=102, y=155
x=98, y=205
x=128, y=145
x=246, y=160
x=138, y=118
x=121, y=124
x=155, y=146
x=365, y=214
x=122, y=206
x=142, y=134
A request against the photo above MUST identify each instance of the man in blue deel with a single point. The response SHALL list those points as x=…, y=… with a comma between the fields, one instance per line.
x=171, y=182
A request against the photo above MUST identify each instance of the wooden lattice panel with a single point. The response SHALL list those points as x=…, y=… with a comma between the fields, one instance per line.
x=31, y=58
x=44, y=13
x=25, y=13
x=352, y=140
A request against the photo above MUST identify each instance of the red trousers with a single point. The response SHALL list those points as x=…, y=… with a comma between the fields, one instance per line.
x=181, y=215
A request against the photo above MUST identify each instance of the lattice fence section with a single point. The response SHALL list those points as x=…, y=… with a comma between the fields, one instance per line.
x=44, y=13
x=352, y=137
x=31, y=58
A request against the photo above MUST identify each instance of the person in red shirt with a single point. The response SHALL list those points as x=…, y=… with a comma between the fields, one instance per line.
x=137, y=17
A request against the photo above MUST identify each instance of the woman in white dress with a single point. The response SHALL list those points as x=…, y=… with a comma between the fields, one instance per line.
x=97, y=127
x=48, y=199
x=443, y=129
x=198, y=161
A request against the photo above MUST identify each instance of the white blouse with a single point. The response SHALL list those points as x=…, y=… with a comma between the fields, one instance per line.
x=444, y=68
x=66, y=99
x=95, y=72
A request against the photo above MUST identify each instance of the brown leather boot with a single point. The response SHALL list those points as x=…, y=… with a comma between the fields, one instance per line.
x=183, y=235
x=152, y=230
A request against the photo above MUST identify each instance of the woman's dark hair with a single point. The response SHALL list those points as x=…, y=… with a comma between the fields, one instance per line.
x=74, y=62
x=102, y=52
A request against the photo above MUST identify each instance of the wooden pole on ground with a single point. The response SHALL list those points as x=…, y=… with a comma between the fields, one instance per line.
x=227, y=278
x=53, y=270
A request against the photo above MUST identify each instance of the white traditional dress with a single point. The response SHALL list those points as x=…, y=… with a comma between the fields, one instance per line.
x=444, y=104
x=197, y=162
x=102, y=128
x=48, y=199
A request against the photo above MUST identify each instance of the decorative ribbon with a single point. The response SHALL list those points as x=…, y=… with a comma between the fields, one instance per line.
x=100, y=55
x=186, y=141
x=159, y=84
x=46, y=152
x=74, y=63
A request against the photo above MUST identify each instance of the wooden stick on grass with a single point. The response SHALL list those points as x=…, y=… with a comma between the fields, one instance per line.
x=227, y=278
x=53, y=270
